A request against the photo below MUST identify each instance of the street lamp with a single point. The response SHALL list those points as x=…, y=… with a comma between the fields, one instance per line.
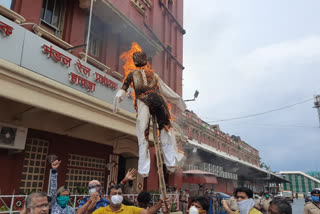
x=196, y=94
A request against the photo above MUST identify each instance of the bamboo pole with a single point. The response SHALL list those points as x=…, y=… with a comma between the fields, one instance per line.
x=162, y=184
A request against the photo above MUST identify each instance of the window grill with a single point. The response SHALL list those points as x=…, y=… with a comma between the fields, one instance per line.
x=82, y=169
x=52, y=15
x=34, y=165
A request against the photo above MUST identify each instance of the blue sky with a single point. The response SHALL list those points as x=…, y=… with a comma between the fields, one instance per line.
x=6, y=3
x=248, y=57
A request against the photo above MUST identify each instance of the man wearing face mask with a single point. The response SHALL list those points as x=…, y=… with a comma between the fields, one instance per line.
x=245, y=202
x=313, y=207
x=199, y=205
x=116, y=206
x=88, y=205
x=60, y=198
x=265, y=203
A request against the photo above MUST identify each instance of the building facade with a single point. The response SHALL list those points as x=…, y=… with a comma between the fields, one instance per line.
x=300, y=181
x=219, y=162
x=55, y=103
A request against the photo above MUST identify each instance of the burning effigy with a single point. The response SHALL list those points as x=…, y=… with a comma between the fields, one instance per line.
x=150, y=99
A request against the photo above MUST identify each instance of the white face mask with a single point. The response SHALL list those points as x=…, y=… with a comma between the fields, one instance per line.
x=116, y=199
x=193, y=210
x=92, y=190
x=245, y=206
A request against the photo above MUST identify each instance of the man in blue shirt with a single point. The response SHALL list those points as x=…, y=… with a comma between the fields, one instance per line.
x=95, y=201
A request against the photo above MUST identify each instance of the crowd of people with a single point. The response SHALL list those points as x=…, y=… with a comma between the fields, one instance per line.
x=243, y=201
x=56, y=202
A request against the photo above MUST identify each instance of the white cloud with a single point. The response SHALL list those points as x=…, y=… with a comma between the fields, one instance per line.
x=244, y=61
x=298, y=52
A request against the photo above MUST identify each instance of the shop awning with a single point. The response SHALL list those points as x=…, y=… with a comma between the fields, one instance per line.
x=199, y=177
x=244, y=170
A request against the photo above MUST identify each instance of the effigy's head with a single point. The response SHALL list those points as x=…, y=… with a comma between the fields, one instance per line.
x=140, y=59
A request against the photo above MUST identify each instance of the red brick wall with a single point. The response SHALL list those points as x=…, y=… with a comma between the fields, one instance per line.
x=75, y=26
x=63, y=145
x=165, y=29
x=222, y=186
x=11, y=165
x=152, y=182
x=29, y=9
x=10, y=174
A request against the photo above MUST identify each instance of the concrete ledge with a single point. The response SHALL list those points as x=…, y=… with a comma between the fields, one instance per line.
x=10, y=14
x=94, y=62
x=56, y=40
x=22, y=85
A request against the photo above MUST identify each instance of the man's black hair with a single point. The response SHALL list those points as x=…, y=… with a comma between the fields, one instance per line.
x=203, y=201
x=116, y=186
x=144, y=198
x=246, y=190
x=283, y=206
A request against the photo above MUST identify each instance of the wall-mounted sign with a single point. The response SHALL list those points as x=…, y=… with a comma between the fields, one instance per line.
x=6, y=29
x=38, y=55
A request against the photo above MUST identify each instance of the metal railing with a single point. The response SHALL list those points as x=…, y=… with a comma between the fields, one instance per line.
x=14, y=203
x=216, y=205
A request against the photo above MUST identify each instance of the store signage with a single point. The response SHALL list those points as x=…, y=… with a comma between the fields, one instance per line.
x=6, y=29
x=59, y=57
x=83, y=70
x=57, y=64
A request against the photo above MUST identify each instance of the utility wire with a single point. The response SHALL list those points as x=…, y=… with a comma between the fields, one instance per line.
x=261, y=113
x=258, y=125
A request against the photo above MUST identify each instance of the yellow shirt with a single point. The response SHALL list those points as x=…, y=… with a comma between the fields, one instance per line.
x=123, y=210
x=252, y=211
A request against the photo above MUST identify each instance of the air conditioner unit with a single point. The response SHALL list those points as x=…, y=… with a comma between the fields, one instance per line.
x=12, y=137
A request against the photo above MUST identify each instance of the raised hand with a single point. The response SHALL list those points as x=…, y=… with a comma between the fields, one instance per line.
x=130, y=174
x=95, y=197
x=55, y=164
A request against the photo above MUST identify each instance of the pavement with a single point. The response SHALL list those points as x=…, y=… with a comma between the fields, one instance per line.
x=297, y=206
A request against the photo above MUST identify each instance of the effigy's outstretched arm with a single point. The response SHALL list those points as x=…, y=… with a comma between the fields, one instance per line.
x=122, y=93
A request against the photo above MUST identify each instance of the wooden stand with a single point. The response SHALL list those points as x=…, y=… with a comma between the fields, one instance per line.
x=159, y=158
